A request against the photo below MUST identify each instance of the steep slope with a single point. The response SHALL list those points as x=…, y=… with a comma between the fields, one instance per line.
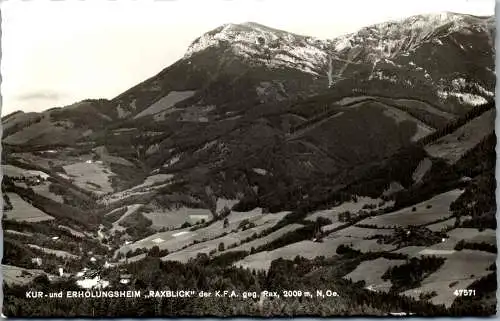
x=57, y=126
x=248, y=96
x=264, y=45
x=240, y=60
x=446, y=59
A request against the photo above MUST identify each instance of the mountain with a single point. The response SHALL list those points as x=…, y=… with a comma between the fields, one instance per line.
x=263, y=140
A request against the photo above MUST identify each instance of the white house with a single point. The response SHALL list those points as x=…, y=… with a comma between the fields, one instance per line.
x=94, y=283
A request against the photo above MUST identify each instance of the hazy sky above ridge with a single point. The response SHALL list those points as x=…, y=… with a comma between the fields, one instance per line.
x=57, y=52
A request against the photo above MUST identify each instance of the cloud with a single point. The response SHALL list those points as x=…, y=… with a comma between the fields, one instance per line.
x=40, y=95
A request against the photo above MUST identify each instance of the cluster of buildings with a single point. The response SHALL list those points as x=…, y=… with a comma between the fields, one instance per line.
x=90, y=277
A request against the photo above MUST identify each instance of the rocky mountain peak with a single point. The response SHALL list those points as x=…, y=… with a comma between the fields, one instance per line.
x=263, y=45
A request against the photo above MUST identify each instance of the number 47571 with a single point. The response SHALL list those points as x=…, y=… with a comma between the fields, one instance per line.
x=464, y=292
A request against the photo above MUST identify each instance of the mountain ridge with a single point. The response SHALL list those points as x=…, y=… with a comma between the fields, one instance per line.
x=326, y=43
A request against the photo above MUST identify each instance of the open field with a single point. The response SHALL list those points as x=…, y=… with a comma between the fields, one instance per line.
x=72, y=231
x=18, y=233
x=330, y=227
x=436, y=252
x=93, y=177
x=371, y=272
x=18, y=275
x=355, y=237
x=436, y=227
x=425, y=212
x=422, y=169
x=165, y=103
x=360, y=232
x=306, y=249
x=208, y=246
x=443, y=249
x=24, y=211
x=175, y=240
x=422, y=129
x=460, y=270
x=401, y=102
x=171, y=240
x=264, y=240
x=14, y=171
x=130, y=210
x=104, y=156
x=59, y=253
x=364, y=245
x=17, y=118
x=351, y=206
x=46, y=129
x=368, y=245
x=474, y=235
x=234, y=218
x=43, y=162
x=153, y=180
x=411, y=251
x=222, y=202
x=147, y=188
x=453, y=146
x=174, y=218
x=124, y=196
x=351, y=236
x=447, y=248
x=116, y=160
x=114, y=211
x=43, y=190
x=456, y=235
x=416, y=104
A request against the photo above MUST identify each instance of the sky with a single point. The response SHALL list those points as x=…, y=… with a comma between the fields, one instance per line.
x=57, y=52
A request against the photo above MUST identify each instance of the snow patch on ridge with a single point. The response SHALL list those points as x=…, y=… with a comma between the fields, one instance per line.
x=268, y=46
x=466, y=98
